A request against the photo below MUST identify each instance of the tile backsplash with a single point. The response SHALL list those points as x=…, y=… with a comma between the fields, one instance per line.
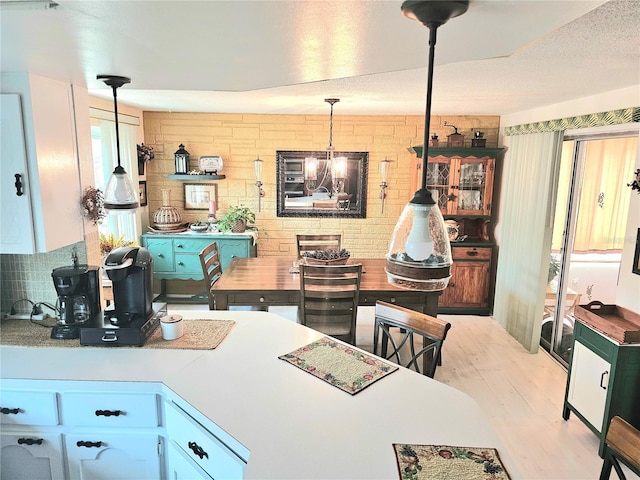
x=29, y=276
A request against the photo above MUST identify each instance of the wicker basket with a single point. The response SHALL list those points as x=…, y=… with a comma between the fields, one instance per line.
x=317, y=261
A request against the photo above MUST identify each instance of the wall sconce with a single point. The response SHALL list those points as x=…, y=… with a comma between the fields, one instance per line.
x=257, y=165
x=334, y=172
x=119, y=193
x=181, y=158
x=384, y=168
x=419, y=256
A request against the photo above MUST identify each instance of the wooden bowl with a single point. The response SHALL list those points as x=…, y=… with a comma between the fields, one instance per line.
x=317, y=261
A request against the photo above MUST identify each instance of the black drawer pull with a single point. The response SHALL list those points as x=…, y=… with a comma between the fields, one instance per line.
x=30, y=441
x=82, y=443
x=197, y=449
x=472, y=253
x=160, y=255
x=108, y=413
x=179, y=245
x=18, y=185
x=7, y=411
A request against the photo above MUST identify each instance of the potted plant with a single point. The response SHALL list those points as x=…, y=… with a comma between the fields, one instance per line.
x=145, y=154
x=235, y=219
x=110, y=242
x=554, y=268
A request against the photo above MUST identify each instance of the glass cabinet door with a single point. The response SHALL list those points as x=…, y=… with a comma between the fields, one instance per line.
x=438, y=181
x=475, y=178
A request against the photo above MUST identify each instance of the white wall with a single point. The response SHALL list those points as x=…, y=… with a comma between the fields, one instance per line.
x=628, y=291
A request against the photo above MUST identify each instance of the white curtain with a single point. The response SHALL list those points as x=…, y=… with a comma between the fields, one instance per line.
x=123, y=223
x=528, y=198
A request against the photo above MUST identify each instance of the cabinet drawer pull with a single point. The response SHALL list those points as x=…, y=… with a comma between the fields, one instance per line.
x=392, y=300
x=18, y=184
x=30, y=441
x=261, y=299
x=82, y=443
x=604, y=387
x=160, y=255
x=108, y=413
x=472, y=253
x=7, y=411
x=179, y=245
x=197, y=449
x=181, y=264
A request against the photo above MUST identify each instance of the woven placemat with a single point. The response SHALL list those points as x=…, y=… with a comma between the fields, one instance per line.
x=199, y=334
x=339, y=365
x=444, y=462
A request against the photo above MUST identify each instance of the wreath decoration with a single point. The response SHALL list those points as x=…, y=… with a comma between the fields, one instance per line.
x=93, y=204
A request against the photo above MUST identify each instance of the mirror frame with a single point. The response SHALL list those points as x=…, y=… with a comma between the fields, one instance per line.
x=359, y=203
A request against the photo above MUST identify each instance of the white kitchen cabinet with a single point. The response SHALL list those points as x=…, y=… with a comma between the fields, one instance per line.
x=98, y=456
x=28, y=455
x=39, y=144
x=588, y=384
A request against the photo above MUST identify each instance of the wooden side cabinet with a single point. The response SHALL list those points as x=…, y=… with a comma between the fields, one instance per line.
x=603, y=381
x=469, y=284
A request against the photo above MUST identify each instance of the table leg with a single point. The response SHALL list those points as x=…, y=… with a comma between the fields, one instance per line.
x=221, y=301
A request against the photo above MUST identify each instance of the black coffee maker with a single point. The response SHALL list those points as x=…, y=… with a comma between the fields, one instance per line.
x=130, y=270
x=78, y=289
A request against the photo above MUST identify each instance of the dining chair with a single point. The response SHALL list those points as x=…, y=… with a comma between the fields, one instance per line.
x=622, y=444
x=329, y=299
x=432, y=330
x=312, y=242
x=210, y=261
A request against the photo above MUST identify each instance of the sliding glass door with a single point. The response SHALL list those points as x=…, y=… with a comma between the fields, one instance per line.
x=588, y=233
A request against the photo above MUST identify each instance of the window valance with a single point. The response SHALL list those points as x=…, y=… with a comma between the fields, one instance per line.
x=614, y=117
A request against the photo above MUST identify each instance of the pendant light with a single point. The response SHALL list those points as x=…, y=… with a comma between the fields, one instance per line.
x=419, y=256
x=119, y=194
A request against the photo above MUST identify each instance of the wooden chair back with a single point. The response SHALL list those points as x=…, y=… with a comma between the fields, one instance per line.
x=622, y=443
x=329, y=299
x=311, y=243
x=211, y=269
x=432, y=330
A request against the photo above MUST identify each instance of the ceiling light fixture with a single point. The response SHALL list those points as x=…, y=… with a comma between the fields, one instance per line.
x=419, y=256
x=28, y=5
x=333, y=172
x=119, y=194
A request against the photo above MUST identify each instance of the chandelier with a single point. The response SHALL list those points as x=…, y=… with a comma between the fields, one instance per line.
x=326, y=175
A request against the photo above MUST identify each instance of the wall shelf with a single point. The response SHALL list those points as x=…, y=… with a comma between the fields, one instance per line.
x=186, y=176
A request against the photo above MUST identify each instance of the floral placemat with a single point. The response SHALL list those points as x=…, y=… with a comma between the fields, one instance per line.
x=444, y=462
x=340, y=365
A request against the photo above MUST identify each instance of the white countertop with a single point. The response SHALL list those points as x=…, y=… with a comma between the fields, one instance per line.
x=294, y=424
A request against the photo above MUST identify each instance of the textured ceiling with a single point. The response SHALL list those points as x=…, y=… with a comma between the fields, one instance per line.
x=500, y=57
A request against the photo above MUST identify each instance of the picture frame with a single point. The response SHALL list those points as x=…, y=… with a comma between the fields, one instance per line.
x=636, y=257
x=142, y=184
x=198, y=196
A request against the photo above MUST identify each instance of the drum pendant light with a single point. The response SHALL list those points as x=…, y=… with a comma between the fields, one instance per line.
x=119, y=194
x=419, y=256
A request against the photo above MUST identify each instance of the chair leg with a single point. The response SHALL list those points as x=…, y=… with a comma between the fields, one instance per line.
x=605, y=473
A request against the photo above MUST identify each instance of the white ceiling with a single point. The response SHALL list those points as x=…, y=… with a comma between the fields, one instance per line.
x=284, y=56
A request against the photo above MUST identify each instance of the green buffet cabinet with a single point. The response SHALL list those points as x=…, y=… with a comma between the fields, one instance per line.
x=603, y=379
x=175, y=255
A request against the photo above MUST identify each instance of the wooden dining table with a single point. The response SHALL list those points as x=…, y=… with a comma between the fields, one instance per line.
x=270, y=281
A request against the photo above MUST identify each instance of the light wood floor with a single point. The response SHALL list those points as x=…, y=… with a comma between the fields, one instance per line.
x=521, y=393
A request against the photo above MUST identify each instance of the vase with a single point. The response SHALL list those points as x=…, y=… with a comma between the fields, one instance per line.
x=167, y=217
x=141, y=167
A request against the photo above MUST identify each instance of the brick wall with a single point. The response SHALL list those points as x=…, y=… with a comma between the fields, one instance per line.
x=240, y=138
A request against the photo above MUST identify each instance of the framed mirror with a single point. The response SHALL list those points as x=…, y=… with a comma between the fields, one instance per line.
x=312, y=185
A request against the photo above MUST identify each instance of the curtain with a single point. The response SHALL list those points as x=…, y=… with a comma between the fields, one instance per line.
x=124, y=223
x=531, y=165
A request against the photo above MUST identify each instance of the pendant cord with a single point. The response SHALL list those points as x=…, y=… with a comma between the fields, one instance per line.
x=427, y=116
x=115, y=109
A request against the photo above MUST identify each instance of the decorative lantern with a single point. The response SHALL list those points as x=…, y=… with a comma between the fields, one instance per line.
x=182, y=159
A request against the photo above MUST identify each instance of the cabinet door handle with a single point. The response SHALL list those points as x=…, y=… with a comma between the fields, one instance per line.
x=604, y=387
x=18, y=184
x=30, y=441
x=83, y=443
x=181, y=264
x=392, y=300
x=261, y=299
x=108, y=413
x=452, y=284
x=197, y=449
x=7, y=411
x=160, y=255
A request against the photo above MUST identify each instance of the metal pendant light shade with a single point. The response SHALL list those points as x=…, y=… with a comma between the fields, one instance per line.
x=120, y=194
x=419, y=256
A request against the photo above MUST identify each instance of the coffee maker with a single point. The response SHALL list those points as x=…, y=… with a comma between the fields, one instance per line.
x=78, y=290
x=130, y=270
